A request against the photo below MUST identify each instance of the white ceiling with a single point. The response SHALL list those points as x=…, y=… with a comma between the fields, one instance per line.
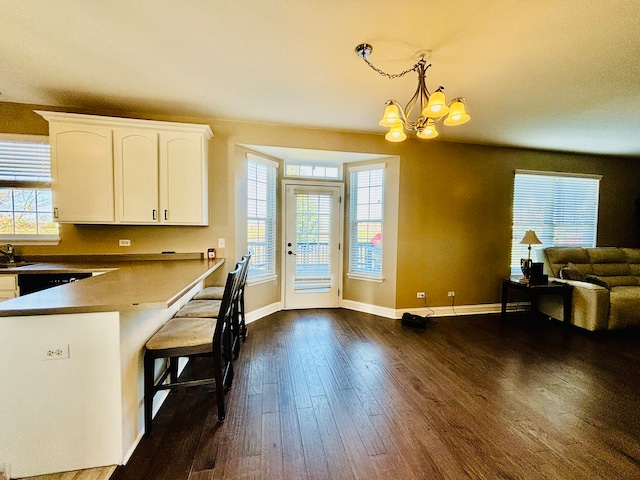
x=550, y=74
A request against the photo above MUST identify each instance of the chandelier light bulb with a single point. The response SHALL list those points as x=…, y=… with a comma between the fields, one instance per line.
x=457, y=114
x=391, y=116
x=437, y=106
x=396, y=134
x=428, y=132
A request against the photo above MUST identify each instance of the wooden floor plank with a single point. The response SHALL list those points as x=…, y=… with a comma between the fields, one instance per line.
x=332, y=394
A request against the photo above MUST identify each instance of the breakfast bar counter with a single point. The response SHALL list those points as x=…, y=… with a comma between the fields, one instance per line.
x=71, y=394
x=117, y=284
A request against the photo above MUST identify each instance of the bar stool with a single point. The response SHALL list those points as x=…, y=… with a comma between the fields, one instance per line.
x=193, y=337
x=215, y=293
x=199, y=307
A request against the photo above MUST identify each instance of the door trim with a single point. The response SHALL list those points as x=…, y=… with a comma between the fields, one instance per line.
x=340, y=233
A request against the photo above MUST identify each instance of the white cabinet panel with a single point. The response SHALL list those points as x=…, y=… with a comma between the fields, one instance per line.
x=8, y=286
x=182, y=179
x=82, y=171
x=136, y=171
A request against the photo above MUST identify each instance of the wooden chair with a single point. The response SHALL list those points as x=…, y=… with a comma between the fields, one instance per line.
x=192, y=337
x=206, y=304
x=215, y=293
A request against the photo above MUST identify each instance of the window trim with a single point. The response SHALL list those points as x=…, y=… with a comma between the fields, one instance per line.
x=357, y=275
x=27, y=239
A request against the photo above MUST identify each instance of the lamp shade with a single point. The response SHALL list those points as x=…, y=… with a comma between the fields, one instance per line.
x=428, y=132
x=391, y=116
x=396, y=133
x=530, y=238
x=457, y=114
x=437, y=106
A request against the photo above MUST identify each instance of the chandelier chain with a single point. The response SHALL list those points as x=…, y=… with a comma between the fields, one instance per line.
x=395, y=75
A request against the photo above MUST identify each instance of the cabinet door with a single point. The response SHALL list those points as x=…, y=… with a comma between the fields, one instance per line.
x=8, y=286
x=183, y=179
x=136, y=170
x=82, y=171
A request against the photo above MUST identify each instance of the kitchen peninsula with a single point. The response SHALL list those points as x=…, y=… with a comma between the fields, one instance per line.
x=81, y=406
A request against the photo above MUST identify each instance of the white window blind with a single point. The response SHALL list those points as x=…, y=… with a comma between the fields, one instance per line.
x=26, y=208
x=561, y=208
x=313, y=243
x=261, y=217
x=365, y=221
x=23, y=163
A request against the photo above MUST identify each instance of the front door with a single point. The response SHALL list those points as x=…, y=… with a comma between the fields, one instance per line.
x=312, y=250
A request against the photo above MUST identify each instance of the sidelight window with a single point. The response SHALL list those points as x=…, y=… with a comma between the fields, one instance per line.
x=366, y=197
x=261, y=217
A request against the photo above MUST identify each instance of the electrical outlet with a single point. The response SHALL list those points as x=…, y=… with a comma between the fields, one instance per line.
x=451, y=293
x=124, y=242
x=221, y=243
x=56, y=352
x=420, y=295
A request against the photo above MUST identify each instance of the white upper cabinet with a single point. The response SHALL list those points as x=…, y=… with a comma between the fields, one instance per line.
x=135, y=156
x=124, y=171
x=180, y=166
x=82, y=173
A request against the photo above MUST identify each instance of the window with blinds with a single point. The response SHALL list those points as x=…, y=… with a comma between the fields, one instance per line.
x=561, y=208
x=261, y=217
x=365, y=221
x=26, y=207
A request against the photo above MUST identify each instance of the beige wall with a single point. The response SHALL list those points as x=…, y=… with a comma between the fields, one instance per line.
x=454, y=207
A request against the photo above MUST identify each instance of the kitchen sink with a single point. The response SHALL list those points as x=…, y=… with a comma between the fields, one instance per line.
x=14, y=264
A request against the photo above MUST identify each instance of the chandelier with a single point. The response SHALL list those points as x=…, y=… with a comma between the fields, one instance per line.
x=433, y=107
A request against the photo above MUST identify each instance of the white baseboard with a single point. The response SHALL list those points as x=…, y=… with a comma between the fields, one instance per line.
x=254, y=315
x=423, y=311
x=390, y=312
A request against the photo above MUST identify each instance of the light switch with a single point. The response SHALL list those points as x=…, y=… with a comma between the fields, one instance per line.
x=221, y=243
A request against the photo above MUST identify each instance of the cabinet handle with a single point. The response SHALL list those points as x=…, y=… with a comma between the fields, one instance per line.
x=166, y=214
x=154, y=213
x=55, y=212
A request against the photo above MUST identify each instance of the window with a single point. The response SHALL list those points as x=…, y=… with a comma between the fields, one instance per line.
x=307, y=170
x=26, y=207
x=261, y=217
x=561, y=208
x=365, y=221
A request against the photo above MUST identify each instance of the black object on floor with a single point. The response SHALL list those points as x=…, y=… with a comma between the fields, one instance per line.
x=416, y=321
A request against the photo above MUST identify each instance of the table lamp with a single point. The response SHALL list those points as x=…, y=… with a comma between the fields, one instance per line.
x=529, y=238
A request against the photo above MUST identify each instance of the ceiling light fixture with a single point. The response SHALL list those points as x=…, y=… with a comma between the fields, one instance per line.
x=433, y=107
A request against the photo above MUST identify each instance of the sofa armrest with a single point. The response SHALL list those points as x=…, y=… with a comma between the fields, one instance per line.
x=590, y=305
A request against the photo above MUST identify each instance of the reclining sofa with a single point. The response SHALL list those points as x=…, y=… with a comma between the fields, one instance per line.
x=606, y=282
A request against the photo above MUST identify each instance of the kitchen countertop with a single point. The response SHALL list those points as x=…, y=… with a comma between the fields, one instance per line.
x=125, y=283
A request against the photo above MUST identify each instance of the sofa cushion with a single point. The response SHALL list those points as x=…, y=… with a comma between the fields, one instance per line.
x=608, y=261
x=613, y=280
x=625, y=305
x=633, y=259
x=558, y=257
x=571, y=271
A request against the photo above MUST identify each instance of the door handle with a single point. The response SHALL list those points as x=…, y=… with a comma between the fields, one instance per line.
x=291, y=253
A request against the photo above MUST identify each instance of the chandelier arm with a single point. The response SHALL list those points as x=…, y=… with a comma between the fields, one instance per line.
x=412, y=102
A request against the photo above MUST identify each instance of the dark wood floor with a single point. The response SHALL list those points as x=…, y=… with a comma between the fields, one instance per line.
x=336, y=394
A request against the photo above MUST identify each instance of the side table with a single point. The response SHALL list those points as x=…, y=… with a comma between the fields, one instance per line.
x=534, y=291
